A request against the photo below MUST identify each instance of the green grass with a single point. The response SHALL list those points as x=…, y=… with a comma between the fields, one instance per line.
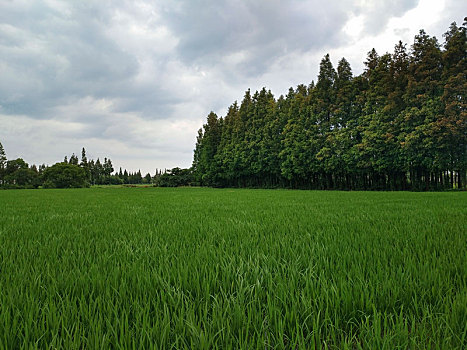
x=208, y=268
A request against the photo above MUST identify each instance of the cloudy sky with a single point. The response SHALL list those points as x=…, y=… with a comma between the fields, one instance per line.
x=134, y=80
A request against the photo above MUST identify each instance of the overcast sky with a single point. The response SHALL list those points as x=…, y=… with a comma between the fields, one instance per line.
x=135, y=80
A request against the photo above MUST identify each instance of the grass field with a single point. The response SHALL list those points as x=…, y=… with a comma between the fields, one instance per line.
x=218, y=268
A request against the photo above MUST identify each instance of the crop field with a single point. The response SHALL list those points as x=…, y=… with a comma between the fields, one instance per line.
x=224, y=268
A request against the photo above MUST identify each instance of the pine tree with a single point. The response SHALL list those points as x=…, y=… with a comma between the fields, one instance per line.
x=73, y=159
x=84, y=160
x=85, y=165
x=325, y=92
x=97, y=172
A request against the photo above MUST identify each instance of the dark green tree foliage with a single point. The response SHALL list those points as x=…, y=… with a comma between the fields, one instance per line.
x=18, y=174
x=63, y=175
x=174, y=178
x=85, y=165
x=147, y=179
x=206, y=149
x=400, y=125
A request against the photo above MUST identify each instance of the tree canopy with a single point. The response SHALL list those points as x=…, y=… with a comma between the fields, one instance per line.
x=65, y=175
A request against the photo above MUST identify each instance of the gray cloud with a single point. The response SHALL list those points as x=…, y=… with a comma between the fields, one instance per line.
x=257, y=32
x=378, y=12
x=58, y=55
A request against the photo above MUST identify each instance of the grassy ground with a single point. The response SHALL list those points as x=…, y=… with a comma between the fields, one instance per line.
x=209, y=268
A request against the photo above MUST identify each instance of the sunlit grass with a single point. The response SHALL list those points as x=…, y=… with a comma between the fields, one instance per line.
x=206, y=268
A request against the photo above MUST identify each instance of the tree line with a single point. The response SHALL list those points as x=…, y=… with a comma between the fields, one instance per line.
x=400, y=125
x=71, y=172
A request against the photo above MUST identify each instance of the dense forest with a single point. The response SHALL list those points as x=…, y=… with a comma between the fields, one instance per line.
x=400, y=125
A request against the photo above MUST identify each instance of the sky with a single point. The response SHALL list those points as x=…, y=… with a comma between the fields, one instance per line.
x=134, y=80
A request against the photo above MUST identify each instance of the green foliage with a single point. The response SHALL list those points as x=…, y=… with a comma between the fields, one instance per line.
x=232, y=269
x=401, y=125
x=18, y=174
x=174, y=178
x=65, y=175
x=24, y=177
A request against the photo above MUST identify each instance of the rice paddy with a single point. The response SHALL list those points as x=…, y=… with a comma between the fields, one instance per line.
x=221, y=268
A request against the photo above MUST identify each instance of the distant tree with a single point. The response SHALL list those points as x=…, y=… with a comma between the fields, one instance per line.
x=85, y=165
x=63, y=175
x=107, y=170
x=84, y=159
x=18, y=174
x=15, y=164
x=3, y=161
x=42, y=168
x=147, y=178
x=74, y=159
x=97, y=172
x=175, y=177
x=26, y=177
x=136, y=178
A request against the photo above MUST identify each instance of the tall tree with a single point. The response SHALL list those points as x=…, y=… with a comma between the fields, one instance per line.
x=423, y=97
x=206, y=165
x=451, y=126
x=325, y=92
x=3, y=161
x=85, y=165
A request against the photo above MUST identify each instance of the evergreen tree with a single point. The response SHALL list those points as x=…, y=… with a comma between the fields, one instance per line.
x=107, y=170
x=73, y=160
x=450, y=128
x=3, y=161
x=325, y=93
x=147, y=178
x=206, y=165
x=85, y=165
x=84, y=159
x=423, y=98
